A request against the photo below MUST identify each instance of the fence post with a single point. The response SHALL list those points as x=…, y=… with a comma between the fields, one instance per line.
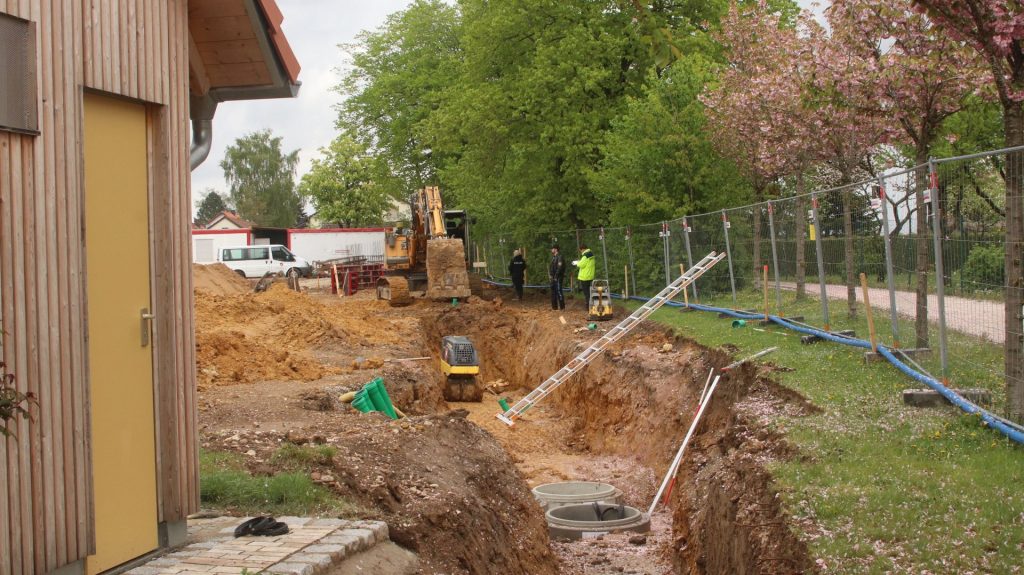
x=604, y=252
x=890, y=280
x=775, y=258
x=632, y=268
x=940, y=277
x=728, y=256
x=501, y=256
x=666, y=258
x=821, y=261
x=689, y=255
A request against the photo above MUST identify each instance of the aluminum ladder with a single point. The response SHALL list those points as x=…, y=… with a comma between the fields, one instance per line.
x=613, y=335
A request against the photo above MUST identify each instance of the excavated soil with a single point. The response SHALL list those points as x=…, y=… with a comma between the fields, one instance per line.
x=453, y=485
x=218, y=279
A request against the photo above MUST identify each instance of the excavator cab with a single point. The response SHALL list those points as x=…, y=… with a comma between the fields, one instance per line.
x=460, y=366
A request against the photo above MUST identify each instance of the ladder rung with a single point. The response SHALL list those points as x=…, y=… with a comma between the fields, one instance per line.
x=584, y=358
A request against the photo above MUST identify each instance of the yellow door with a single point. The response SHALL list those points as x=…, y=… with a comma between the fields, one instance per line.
x=120, y=366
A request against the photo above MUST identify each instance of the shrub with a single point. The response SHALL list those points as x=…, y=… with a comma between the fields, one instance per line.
x=13, y=403
x=984, y=269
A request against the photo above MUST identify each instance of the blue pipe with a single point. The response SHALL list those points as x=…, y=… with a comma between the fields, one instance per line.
x=1006, y=427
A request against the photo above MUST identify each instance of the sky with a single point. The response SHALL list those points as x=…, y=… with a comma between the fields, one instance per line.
x=314, y=29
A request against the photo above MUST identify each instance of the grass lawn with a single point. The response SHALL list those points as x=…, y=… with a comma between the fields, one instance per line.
x=225, y=484
x=888, y=488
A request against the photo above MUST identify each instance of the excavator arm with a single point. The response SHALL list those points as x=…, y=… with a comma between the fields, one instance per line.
x=431, y=200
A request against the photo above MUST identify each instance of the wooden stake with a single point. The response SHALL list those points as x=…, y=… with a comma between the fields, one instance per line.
x=337, y=284
x=867, y=310
x=765, y=283
x=625, y=284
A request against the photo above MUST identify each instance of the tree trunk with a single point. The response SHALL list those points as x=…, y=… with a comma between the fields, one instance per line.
x=851, y=281
x=921, y=249
x=1013, y=118
x=801, y=242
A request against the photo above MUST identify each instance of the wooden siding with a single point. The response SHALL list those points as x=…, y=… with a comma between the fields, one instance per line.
x=136, y=49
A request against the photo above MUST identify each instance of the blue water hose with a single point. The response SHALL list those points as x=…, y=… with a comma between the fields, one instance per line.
x=1004, y=426
x=1007, y=428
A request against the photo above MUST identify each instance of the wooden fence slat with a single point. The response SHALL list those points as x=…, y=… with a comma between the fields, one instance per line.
x=75, y=287
x=10, y=545
x=44, y=178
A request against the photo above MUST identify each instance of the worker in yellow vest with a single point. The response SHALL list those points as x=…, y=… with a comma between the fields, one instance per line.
x=586, y=264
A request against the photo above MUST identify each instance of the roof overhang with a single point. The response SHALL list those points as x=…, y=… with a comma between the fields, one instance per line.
x=238, y=51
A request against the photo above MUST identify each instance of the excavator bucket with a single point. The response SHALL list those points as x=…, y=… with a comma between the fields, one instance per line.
x=395, y=290
x=447, y=277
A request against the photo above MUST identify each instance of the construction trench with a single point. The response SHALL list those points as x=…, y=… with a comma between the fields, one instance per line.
x=452, y=481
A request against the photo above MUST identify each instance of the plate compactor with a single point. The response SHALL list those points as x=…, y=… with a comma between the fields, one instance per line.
x=460, y=365
x=600, y=301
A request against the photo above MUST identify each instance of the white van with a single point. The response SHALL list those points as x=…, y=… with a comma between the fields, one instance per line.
x=254, y=261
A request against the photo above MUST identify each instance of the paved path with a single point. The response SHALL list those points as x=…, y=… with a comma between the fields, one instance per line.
x=312, y=546
x=974, y=317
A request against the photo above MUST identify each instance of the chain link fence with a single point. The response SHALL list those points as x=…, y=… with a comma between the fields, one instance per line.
x=815, y=256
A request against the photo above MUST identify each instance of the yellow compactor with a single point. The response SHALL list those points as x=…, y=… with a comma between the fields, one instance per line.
x=461, y=366
x=600, y=307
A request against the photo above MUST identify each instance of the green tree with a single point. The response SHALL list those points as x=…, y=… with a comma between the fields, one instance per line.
x=210, y=206
x=341, y=187
x=398, y=77
x=540, y=85
x=658, y=164
x=261, y=178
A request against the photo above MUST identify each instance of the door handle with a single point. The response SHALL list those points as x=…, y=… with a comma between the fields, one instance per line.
x=146, y=324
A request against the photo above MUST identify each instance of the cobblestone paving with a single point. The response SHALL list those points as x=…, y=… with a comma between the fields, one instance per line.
x=311, y=546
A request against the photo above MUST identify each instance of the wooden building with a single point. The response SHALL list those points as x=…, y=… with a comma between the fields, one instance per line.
x=97, y=99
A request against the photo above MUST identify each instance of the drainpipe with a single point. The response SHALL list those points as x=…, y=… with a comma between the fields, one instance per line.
x=201, y=110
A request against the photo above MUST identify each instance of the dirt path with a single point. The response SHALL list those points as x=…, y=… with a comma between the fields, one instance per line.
x=973, y=317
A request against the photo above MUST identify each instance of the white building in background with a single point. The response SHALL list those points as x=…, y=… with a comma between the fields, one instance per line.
x=206, y=244
x=227, y=220
x=313, y=245
x=398, y=212
x=336, y=243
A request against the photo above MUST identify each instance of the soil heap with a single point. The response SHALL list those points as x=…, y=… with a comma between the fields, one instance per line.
x=218, y=279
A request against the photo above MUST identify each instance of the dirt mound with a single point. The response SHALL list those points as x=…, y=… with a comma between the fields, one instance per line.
x=240, y=338
x=445, y=487
x=229, y=357
x=218, y=279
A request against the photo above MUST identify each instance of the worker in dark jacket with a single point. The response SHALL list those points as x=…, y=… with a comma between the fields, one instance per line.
x=556, y=276
x=517, y=269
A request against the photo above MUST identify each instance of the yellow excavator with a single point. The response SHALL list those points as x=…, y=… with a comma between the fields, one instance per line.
x=429, y=254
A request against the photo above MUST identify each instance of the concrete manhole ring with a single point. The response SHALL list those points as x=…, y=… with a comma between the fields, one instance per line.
x=552, y=495
x=590, y=520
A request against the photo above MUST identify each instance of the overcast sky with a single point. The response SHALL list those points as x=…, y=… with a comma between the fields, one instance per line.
x=314, y=29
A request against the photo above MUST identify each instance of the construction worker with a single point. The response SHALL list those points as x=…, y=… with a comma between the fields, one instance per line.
x=556, y=276
x=586, y=264
x=517, y=269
